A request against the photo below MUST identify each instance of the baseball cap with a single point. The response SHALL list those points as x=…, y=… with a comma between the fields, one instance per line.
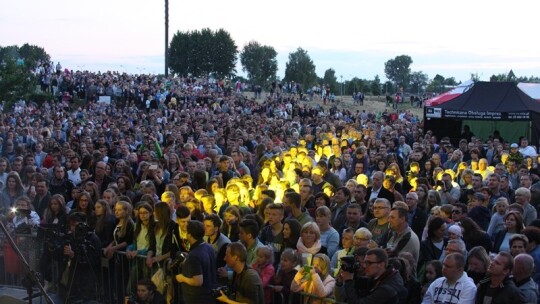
x=479, y=195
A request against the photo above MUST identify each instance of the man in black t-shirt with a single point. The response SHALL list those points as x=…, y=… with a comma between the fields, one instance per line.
x=198, y=276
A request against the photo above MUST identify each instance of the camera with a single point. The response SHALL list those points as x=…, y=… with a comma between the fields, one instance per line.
x=349, y=264
x=131, y=299
x=22, y=212
x=82, y=231
x=216, y=292
x=178, y=260
x=439, y=183
x=56, y=240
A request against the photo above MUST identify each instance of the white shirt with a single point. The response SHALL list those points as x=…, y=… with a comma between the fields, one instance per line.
x=462, y=292
x=75, y=176
x=528, y=151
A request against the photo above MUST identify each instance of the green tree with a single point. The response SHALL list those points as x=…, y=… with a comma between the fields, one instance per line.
x=260, y=63
x=224, y=54
x=388, y=88
x=16, y=81
x=201, y=53
x=417, y=81
x=451, y=81
x=16, y=78
x=437, y=84
x=532, y=79
x=504, y=77
x=475, y=77
x=300, y=69
x=182, y=43
x=330, y=80
x=376, y=86
x=32, y=55
x=354, y=85
x=498, y=78
x=398, y=70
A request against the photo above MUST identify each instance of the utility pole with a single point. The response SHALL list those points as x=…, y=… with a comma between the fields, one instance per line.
x=166, y=38
x=341, y=76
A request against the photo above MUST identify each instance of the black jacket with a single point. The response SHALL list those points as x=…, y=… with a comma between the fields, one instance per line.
x=428, y=252
x=383, y=193
x=506, y=293
x=387, y=289
x=498, y=238
x=419, y=222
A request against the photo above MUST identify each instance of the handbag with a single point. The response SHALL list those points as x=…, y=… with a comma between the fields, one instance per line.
x=160, y=280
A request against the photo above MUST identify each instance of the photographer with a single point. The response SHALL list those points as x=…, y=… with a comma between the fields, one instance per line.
x=81, y=250
x=247, y=285
x=387, y=282
x=198, y=275
x=355, y=266
x=147, y=294
x=23, y=217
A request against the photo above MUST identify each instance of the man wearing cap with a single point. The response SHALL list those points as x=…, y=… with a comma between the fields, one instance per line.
x=514, y=154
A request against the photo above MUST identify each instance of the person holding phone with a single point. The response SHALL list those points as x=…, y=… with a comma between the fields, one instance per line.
x=450, y=194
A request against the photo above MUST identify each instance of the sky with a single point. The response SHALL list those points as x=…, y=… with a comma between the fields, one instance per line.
x=355, y=38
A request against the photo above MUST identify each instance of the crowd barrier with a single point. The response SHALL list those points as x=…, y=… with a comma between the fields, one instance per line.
x=12, y=270
x=113, y=282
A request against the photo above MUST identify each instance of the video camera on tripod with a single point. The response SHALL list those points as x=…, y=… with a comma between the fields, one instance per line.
x=56, y=240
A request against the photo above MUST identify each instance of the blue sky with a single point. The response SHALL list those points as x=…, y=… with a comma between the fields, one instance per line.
x=354, y=38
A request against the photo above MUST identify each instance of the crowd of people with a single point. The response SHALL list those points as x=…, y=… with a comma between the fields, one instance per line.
x=223, y=198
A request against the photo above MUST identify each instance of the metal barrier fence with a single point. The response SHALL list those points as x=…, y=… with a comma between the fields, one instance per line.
x=11, y=268
x=112, y=282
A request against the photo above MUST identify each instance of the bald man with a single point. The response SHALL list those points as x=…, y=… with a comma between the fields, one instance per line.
x=523, y=269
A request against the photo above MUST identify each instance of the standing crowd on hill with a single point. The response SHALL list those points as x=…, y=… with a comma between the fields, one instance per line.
x=224, y=198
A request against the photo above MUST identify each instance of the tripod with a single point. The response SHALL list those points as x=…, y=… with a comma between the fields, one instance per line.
x=32, y=278
x=82, y=253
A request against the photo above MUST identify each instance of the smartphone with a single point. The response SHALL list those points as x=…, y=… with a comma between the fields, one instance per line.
x=153, y=167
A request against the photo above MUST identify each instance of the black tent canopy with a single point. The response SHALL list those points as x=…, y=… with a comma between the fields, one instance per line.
x=486, y=107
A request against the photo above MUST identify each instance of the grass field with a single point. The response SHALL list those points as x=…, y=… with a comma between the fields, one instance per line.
x=371, y=104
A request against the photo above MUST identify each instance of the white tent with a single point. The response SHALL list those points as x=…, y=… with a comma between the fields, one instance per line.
x=531, y=89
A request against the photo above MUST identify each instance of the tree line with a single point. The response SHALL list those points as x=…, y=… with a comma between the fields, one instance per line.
x=204, y=53
x=196, y=53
